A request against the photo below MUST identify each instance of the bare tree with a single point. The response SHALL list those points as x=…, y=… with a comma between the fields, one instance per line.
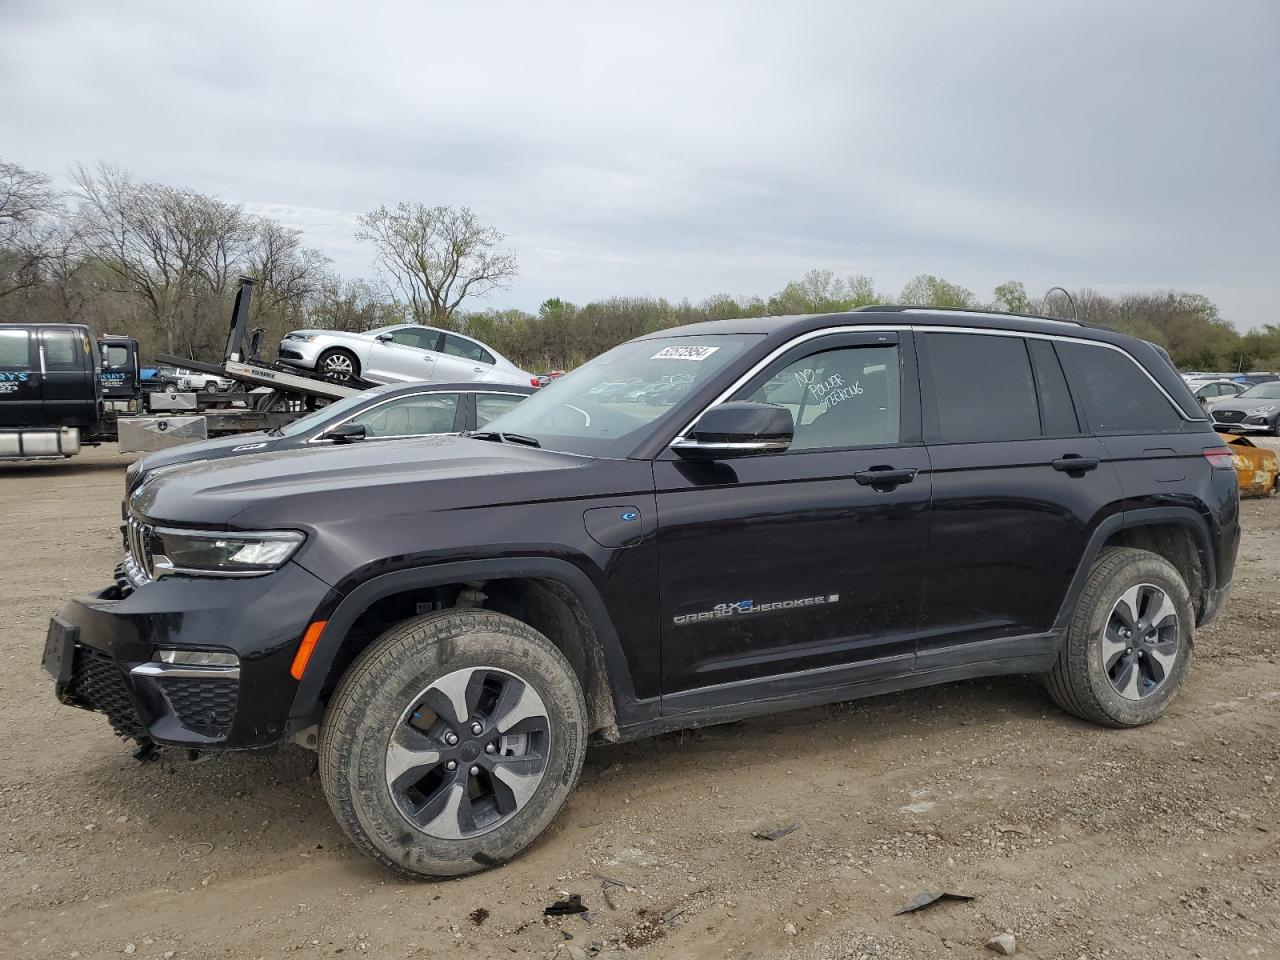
x=437, y=256
x=29, y=212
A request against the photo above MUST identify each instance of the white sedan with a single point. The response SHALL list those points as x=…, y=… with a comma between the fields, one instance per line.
x=404, y=353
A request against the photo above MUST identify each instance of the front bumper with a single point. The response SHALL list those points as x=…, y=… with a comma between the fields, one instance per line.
x=101, y=649
x=300, y=353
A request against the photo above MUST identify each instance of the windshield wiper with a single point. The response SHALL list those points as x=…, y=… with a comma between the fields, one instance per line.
x=505, y=438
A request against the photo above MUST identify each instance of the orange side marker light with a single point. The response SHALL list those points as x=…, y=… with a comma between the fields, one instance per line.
x=306, y=648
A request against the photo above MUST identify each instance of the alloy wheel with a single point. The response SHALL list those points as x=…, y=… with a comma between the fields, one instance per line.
x=468, y=753
x=338, y=367
x=1140, y=641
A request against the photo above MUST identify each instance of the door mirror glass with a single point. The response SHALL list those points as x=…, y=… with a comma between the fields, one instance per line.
x=738, y=429
x=383, y=338
x=346, y=433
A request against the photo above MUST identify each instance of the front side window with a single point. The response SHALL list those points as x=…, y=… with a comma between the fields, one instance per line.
x=983, y=388
x=1118, y=395
x=606, y=406
x=115, y=357
x=490, y=406
x=410, y=416
x=421, y=338
x=15, y=350
x=60, y=350
x=846, y=397
x=467, y=349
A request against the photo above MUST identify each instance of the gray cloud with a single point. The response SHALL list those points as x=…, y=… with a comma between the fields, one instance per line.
x=686, y=149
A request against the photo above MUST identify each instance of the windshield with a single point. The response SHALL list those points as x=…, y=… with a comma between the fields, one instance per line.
x=335, y=410
x=603, y=408
x=1263, y=391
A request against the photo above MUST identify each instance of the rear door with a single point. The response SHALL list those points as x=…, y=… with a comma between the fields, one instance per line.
x=70, y=390
x=1017, y=487
x=462, y=360
x=19, y=378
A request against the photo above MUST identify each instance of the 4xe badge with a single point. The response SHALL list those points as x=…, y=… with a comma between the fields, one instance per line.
x=742, y=608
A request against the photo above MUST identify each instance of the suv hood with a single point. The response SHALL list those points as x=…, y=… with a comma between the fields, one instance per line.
x=297, y=488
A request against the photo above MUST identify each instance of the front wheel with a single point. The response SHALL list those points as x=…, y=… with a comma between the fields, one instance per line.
x=338, y=365
x=1128, y=647
x=452, y=743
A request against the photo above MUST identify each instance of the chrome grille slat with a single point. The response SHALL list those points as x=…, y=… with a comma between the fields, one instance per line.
x=137, y=562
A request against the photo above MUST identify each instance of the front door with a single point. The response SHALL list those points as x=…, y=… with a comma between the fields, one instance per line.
x=19, y=379
x=804, y=568
x=407, y=355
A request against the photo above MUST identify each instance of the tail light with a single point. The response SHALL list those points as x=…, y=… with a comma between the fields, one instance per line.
x=1219, y=457
x=535, y=382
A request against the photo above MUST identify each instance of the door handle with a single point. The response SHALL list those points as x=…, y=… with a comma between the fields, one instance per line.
x=478, y=369
x=1074, y=463
x=886, y=477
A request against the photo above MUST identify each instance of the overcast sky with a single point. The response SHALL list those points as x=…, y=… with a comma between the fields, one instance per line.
x=685, y=149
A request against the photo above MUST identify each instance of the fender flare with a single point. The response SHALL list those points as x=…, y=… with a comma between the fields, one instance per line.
x=1145, y=517
x=306, y=698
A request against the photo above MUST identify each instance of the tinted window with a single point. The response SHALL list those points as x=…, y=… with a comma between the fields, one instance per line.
x=1057, y=415
x=491, y=405
x=1118, y=396
x=115, y=357
x=983, y=388
x=458, y=347
x=60, y=350
x=846, y=397
x=15, y=351
x=423, y=338
x=410, y=416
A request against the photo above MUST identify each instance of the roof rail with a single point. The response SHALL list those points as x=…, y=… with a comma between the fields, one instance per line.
x=994, y=314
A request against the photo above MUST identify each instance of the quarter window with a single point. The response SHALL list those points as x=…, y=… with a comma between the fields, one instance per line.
x=983, y=388
x=60, y=350
x=491, y=405
x=411, y=416
x=1118, y=396
x=847, y=397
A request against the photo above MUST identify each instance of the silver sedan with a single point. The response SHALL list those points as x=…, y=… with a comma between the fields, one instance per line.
x=404, y=353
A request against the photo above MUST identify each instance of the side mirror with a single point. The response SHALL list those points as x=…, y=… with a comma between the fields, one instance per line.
x=738, y=429
x=346, y=433
x=383, y=338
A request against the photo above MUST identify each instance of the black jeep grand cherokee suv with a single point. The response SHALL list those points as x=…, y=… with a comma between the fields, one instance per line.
x=837, y=506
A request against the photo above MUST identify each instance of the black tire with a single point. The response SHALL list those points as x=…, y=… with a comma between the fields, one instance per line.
x=1079, y=682
x=211, y=386
x=169, y=386
x=350, y=365
x=385, y=687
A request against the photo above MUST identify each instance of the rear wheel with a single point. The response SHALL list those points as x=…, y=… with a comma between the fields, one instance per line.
x=340, y=365
x=452, y=743
x=1129, y=643
x=211, y=386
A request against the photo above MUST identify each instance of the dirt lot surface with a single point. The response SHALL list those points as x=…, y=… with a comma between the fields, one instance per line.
x=1084, y=842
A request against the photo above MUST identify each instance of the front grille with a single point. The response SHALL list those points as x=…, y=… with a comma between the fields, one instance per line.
x=137, y=560
x=205, y=706
x=290, y=354
x=1228, y=416
x=98, y=683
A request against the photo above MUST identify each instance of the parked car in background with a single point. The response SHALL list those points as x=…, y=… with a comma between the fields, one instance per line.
x=1210, y=392
x=1257, y=410
x=405, y=353
x=1257, y=469
x=391, y=412
x=195, y=381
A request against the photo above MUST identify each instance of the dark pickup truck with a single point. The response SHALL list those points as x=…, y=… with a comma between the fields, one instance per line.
x=819, y=508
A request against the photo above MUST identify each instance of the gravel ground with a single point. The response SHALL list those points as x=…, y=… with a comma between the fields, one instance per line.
x=1083, y=842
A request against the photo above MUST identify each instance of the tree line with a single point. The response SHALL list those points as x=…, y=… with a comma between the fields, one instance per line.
x=161, y=263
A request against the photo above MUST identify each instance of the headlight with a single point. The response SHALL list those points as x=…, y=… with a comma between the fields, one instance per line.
x=1267, y=409
x=303, y=336
x=221, y=554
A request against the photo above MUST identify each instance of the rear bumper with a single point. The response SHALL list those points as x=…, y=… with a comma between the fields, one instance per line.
x=110, y=642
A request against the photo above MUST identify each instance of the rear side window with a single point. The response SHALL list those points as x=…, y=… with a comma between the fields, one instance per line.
x=983, y=386
x=1119, y=397
x=468, y=350
x=490, y=406
x=60, y=350
x=15, y=350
